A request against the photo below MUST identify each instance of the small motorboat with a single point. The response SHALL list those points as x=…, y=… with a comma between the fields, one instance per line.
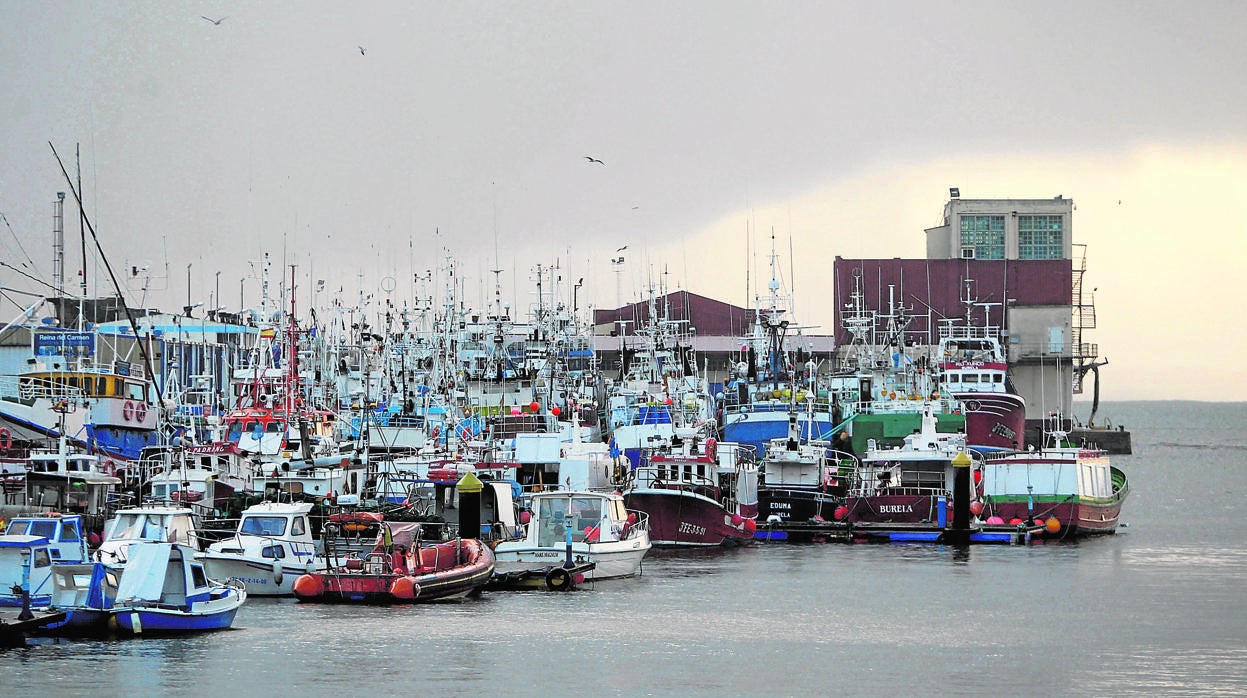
x=164, y=589
x=272, y=547
x=85, y=593
x=399, y=569
x=575, y=528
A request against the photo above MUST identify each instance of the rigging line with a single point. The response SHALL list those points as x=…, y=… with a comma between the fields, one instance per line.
x=32, y=278
x=16, y=239
x=147, y=359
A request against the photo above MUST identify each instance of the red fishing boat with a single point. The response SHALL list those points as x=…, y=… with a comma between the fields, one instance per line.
x=399, y=569
x=694, y=497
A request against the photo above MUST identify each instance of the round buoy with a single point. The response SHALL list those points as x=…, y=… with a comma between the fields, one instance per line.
x=1015, y=521
x=978, y=476
x=558, y=579
x=555, y=411
x=308, y=586
x=737, y=520
x=535, y=406
x=1052, y=524
x=750, y=526
x=993, y=520
x=976, y=507
x=841, y=512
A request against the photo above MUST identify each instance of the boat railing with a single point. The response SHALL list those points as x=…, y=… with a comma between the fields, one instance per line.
x=636, y=526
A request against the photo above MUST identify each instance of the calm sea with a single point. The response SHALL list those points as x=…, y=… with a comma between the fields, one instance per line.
x=1160, y=608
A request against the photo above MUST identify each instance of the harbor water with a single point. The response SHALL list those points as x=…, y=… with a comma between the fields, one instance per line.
x=1156, y=609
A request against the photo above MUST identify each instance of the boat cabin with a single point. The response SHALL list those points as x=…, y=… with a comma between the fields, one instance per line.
x=65, y=533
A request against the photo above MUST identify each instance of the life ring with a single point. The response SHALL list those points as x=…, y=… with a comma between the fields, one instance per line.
x=140, y=411
x=6, y=439
x=558, y=579
x=128, y=411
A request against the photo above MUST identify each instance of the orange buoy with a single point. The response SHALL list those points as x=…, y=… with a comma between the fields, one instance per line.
x=1052, y=525
x=308, y=586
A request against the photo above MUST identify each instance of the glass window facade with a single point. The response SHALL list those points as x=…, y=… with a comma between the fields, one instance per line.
x=986, y=234
x=1041, y=237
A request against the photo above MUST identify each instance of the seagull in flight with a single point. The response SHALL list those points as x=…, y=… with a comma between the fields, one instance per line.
x=363, y=51
x=216, y=22
x=621, y=249
x=593, y=159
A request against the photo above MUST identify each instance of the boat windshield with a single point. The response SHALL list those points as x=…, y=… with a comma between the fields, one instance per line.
x=263, y=525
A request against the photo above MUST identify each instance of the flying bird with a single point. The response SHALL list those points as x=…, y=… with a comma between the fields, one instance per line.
x=621, y=249
x=216, y=22
x=593, y=159
x=363, y=51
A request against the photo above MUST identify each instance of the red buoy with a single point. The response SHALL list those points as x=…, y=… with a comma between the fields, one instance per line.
x=976, y=507
x=308, y=586
x=750, y=526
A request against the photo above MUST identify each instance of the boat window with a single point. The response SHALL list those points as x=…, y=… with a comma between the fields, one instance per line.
x=42, y=559
x=69, y=532
x=272, y=427
x=970, y=378
x=273, y=552
x=985, y=378
x=954, y=378
x=263, y=525
x=299, y=526
x=998, y=378
x=198, y=578
x=73, y=382
x=235, y=432
x=101, y=386
x=17, y=528
x=47, y=529
x=587, y=509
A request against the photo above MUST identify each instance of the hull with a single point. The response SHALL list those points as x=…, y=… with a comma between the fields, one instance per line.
x=141, y=621
x=260, y=578
x=757, y=428
x=890, y=428
x=474, y=570
x=612, y=563
x=994, y=421
x=796, y=504
x=684, y=519
x=1077, y=518
x=896, y=508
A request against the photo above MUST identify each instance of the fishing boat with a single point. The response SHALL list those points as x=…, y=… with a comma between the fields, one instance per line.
x=164, y=590
x=271, y=548
x=753, y=407
x=696, y=496
x=909, y=484
x=25, y=570
x=801, y=479
x=399, y=569
x=105, y=409
x=1072, y=490
x=85, y=593
x=578, y=527
x=155, y=523
x=973, y=368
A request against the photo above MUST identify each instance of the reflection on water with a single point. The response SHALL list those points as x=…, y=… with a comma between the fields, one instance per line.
x=1155, y=609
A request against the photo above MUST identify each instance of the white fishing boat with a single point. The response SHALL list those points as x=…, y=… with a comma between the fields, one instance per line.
x=271, y=548
x=579, y=527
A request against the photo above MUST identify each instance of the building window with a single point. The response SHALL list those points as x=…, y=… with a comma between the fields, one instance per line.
x=1041, y=237
x=986, y=234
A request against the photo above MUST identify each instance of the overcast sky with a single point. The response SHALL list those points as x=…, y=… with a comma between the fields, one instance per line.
x=461, y=129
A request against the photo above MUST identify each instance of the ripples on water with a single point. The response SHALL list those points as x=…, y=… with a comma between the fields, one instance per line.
x=1157, y=609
